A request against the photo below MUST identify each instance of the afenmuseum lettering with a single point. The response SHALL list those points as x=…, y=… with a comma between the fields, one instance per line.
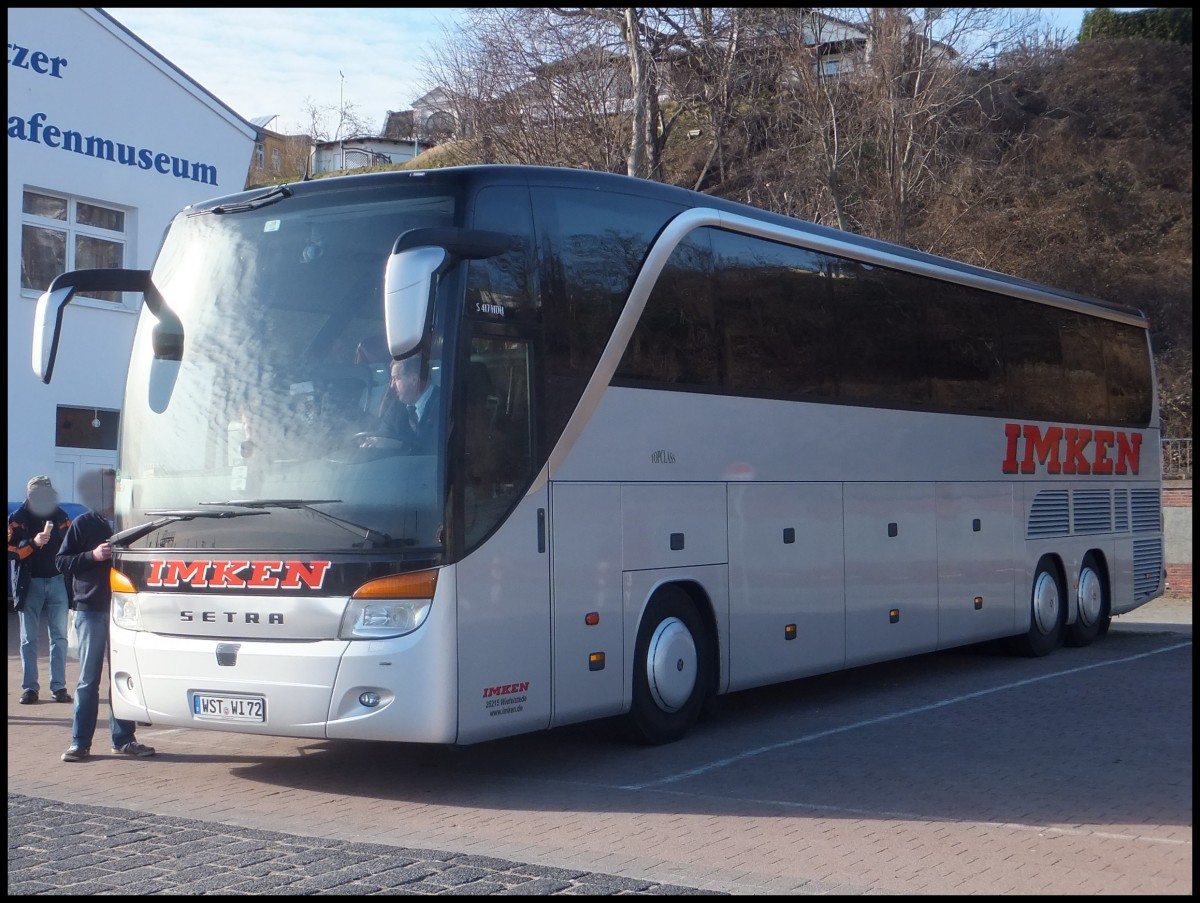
x=1070, y=450
x=37, y=130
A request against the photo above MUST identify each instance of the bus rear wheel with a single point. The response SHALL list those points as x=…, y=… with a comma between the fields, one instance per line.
x=1047, y=609
x=1092, y=617
x=672, y=670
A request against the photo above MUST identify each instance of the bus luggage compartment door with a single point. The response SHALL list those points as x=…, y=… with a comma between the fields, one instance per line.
x=891, y=571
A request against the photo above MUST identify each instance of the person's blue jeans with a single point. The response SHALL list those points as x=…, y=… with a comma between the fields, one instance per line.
x=46, y=599
x=91, y=629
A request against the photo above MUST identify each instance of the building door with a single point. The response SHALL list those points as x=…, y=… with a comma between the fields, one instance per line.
x=70, y=465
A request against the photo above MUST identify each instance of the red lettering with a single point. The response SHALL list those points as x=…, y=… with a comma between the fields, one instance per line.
x=261, y=574
x=225, y=574
x=182, y=572
x=156, y=572
x=505, y=689
x=313, y=576
x=1045, y=448
x=1129, y=446
x=1077, y=441
x=1012, y=432
x=1102, y=463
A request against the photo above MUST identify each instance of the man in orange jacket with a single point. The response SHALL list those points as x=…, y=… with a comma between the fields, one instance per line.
x=35, y=534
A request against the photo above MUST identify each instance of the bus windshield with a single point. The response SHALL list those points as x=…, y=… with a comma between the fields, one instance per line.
x=285, y=400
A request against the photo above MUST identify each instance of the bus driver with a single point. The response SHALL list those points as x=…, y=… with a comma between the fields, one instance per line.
x=408, y=413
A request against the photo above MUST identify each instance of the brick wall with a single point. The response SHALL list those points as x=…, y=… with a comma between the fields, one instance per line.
x=1177, y=519
x=1179, y=581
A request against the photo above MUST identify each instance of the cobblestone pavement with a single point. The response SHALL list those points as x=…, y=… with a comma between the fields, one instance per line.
x=59, y=848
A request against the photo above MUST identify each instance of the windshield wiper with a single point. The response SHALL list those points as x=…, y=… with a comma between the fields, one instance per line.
x=125, y=537
x=259, y=200
x=368, y=533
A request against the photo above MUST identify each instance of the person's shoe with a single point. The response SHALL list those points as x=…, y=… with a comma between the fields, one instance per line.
x=76, y=754
x=133, y=748
x=63, y=696
x=29, y=697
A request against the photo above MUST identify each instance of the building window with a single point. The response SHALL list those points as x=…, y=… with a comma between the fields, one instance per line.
x=60, y=233
x=276, y=161
x=260, y=155
x=86, y=428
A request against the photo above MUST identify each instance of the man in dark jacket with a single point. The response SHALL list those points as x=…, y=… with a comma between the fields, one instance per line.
x=35, y=533
x=409, y=413
x=86, y=558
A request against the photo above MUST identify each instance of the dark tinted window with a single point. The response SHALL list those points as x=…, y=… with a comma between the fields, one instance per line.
x=677, y=341
x=966, y=359
x=1033, y=360
x=1127, y=373
x=593, y=247
x=497, y=430
x=778, y=317
x=500, y=288
x=1082, y=391
x=736, y=314
x=881, y=339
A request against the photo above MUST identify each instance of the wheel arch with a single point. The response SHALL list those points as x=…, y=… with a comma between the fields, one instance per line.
x=706, y=610
x=1104, y=567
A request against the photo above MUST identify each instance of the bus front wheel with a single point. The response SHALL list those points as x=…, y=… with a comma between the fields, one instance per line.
x=1092, y=618
x=671, y=668
x=1047, y=611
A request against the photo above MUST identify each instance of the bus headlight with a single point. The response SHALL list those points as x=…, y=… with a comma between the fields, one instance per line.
x=389, y=607
x=125, y=611
x=378, y=618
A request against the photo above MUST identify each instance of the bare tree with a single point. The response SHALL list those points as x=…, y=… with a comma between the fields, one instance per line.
x=608, y=85
x=922, y=104
x=526, y=87
x=656, y=40
x=332, y=122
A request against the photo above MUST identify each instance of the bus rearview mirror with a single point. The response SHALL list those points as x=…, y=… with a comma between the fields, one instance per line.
x=47, y=324
x=48, y=318
x=418, y=257
x=409, y=282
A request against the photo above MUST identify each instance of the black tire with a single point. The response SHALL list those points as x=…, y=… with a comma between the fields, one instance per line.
x=1047, y=611
x=1093, y=615
x=672, y=668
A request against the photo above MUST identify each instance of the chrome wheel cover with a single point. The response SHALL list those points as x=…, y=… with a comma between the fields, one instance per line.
x=1091, y=597
x=1046, y=603
x=671, y=665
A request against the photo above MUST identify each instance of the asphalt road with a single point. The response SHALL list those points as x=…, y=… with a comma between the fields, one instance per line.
x=959, y=772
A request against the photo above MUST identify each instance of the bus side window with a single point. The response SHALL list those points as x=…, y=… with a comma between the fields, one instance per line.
x=497, y=451
x=500, y=288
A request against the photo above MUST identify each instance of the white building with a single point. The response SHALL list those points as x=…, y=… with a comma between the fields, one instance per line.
x=107, y=140
x=361, y=151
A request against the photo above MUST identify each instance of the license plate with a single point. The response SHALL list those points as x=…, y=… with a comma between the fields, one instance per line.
x=215, y=707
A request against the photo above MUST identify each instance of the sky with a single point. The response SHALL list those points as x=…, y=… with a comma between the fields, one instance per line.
x=280, y=61
x=266, y=62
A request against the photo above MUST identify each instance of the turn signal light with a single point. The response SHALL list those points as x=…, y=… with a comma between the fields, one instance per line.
x=119, y=583
x=417, y=585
